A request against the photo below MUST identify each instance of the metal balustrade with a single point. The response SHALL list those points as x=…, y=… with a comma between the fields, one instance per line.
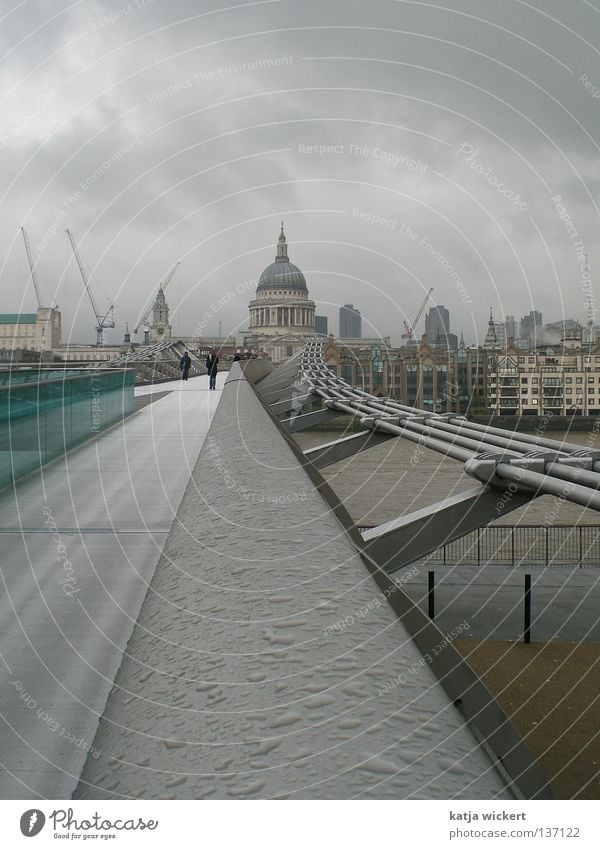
x=520, y=545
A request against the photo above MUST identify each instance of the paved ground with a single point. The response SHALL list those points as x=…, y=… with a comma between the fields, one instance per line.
x=550, y=691
x=490, y=599
x=79, y=543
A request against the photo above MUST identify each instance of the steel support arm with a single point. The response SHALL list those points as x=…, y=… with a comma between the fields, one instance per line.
x=340, y=449
x=408, y=538
x=308, y=420
x=296, y=402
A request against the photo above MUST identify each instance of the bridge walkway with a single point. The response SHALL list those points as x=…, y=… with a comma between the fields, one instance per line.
x=266, y=662
x=79, y=543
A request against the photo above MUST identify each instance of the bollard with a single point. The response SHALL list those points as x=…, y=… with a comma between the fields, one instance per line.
x=527, y=611
x=431, y=595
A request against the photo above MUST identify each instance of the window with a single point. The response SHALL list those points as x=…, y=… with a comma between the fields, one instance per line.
x=535, y=380
x=579, y=380
x=579, y=390
x=568, y=379
x=534, y=401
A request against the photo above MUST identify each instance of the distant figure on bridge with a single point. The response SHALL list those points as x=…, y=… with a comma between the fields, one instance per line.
x=184, y=364
x=237, y=357
x=212, y=367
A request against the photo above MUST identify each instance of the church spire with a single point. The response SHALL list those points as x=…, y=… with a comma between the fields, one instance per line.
x=491, y=340
x=282, y=254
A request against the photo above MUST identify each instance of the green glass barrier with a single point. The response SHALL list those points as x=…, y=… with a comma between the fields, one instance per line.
x=42, y=417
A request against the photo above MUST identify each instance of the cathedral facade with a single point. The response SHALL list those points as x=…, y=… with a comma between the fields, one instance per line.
x=281, y=314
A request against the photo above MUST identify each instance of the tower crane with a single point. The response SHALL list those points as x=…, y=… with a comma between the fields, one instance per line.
x=144, y=319
x=410, y=328
x=102, y=321
x=34, y=279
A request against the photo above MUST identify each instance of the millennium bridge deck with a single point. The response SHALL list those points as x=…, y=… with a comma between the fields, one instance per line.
x=234, y=636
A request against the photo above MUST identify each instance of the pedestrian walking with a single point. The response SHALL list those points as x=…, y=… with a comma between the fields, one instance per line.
x=212, y=367
x=184, y=364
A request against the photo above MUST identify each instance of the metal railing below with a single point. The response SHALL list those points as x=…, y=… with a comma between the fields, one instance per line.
x=516, y=545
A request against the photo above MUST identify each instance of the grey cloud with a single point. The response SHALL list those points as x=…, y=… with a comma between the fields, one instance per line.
x=193, y=94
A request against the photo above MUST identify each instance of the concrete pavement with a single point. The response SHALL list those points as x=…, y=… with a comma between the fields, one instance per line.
x=490, y=599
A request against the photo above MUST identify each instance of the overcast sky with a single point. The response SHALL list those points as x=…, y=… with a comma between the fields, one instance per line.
x=406, y=145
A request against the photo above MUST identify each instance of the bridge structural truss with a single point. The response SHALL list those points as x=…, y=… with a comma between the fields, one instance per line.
x=510, y=469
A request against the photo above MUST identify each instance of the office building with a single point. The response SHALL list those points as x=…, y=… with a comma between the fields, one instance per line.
x=350, y=322
x=321, y=325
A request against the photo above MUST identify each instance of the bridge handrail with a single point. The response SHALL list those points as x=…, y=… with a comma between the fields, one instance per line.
x=514, y=545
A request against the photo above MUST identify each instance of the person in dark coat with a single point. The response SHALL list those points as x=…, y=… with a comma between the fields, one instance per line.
x=184, y=364
x=237, y=358
x=212, y=367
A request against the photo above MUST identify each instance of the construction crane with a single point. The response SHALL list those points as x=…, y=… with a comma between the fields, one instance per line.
x=410, y=328
x=34, y=279
x=102, y=321
x=144, y=319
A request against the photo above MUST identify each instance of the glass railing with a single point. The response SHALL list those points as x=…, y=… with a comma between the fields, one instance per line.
x=42, y=418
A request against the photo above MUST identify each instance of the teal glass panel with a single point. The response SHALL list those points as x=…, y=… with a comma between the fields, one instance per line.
x=45, y=413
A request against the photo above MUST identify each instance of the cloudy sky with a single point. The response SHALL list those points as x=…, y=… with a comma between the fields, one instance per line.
x=406, y=145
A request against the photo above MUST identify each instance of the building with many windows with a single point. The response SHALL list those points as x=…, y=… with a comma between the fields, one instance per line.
x=350, y=322
x=422, y=375
x=558, y=380
x=437, y=328
x=321, y=325
x=530, y=328
x=79, y=353
x=39, y=331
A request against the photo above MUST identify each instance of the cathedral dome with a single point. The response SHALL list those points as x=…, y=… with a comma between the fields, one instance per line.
x=282, y=274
